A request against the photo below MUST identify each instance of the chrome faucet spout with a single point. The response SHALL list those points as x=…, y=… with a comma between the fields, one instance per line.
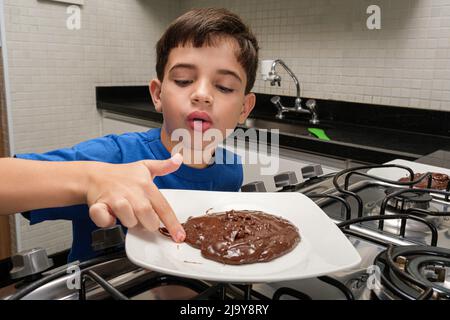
x=293, y=76
x=270, y=74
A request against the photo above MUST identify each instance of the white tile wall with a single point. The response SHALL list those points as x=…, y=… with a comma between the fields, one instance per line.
x=53, y=70
x=328, y=46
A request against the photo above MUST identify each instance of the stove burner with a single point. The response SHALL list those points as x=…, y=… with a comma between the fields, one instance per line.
x=408, y=200
x=414, y=272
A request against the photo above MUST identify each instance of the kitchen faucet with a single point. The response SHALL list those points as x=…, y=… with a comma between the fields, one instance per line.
x=269, y=74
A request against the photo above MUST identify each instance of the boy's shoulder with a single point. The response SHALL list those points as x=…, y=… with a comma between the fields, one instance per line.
x=133, y=140
x=150, y=135
x=136, y=146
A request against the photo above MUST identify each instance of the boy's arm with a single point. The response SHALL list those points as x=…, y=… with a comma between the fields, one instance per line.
x=125, y=191
x=29, y=184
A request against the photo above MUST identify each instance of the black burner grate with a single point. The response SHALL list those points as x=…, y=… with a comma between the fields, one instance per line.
x=402, y=271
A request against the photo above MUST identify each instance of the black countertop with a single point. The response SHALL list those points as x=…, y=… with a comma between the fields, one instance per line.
x=360, y=140
x=140, y=109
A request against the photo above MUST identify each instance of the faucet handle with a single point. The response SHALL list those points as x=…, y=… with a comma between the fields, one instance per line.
x=311, y=103
x=275, y=99
x=275, y=79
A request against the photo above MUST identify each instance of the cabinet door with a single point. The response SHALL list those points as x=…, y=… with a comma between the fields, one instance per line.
x=5, y=241
x=118, y=124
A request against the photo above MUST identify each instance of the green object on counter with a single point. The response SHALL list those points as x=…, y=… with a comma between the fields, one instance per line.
x=319, y=133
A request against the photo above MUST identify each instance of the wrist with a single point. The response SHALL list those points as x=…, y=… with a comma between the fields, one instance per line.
x=85, y=179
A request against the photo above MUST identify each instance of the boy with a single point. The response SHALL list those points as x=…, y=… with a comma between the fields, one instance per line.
x=206, y=67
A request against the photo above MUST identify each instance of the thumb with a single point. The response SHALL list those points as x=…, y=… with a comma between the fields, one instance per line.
x=101, y=215
x=163, y=167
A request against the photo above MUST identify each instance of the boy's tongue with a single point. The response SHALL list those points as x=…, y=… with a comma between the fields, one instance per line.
x=199, y=125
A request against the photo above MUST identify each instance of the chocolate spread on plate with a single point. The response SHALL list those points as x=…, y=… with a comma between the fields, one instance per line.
x=240, y=237
x=438, y=182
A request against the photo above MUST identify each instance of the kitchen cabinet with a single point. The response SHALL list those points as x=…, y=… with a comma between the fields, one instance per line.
x=114, y=123
x=76, y=2
x=5, y=240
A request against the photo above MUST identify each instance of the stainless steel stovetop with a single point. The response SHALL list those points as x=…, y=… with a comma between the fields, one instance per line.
x=402, y=235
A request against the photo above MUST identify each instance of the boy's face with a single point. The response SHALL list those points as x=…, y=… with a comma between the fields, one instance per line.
x=203, y=88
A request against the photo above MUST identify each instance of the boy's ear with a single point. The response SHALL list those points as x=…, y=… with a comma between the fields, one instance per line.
x=249, y=104
x=155, y=92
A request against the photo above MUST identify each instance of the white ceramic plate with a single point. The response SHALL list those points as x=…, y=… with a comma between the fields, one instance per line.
x=323, y=249
x=397, y=173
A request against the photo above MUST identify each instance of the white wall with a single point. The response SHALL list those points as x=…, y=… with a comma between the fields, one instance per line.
x=328, y=46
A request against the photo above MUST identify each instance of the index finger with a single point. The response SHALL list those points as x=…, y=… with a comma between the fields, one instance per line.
x=166, y=214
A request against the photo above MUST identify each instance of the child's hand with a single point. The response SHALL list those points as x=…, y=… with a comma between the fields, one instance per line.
x=127, y=191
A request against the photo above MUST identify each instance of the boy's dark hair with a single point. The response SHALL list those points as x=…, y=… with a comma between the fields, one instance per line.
x=203, y=26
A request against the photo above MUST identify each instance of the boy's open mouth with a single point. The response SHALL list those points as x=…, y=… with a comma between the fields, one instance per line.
x=199, y=121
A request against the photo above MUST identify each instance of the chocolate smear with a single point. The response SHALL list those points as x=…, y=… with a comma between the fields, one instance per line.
x=240, y=236
x=439, y=181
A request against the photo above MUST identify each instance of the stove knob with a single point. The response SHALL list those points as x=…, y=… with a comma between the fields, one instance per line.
x=30, y=262
x=312, y=171
x=106, y=238
x=285, y=179
x=256, y=186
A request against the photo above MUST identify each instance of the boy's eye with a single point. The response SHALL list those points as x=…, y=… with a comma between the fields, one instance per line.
x=224, y=89
x=183, y=83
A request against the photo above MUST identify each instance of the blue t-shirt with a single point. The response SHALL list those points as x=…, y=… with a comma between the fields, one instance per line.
x=126, y=148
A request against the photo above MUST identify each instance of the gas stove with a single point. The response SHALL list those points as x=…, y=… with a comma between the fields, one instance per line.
x=401, y=232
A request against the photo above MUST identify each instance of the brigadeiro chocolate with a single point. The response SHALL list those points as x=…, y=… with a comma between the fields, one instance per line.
x=240, y=236
x=439, y=181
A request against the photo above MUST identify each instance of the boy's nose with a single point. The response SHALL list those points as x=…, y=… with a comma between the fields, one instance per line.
x=202, y=94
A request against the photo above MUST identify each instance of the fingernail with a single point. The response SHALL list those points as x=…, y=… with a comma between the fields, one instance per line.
x=177, y=158
x=180, y=236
